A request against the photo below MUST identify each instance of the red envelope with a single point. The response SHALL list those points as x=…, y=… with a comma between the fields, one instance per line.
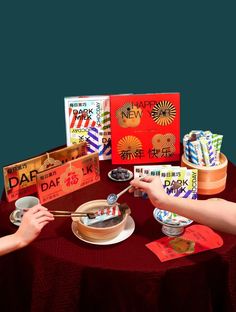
x=196, y=238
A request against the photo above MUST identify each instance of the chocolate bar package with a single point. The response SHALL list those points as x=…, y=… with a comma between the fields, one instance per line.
x=143, y=170
x=67, y=178
x=20, y=178
x=178, y=182
x=185, y=178
x=88, y=120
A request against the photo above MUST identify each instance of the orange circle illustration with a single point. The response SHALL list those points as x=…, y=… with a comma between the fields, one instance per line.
x=128, y=146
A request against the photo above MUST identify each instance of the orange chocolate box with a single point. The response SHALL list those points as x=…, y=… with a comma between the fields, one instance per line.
x=67, y=178
x=20, y=178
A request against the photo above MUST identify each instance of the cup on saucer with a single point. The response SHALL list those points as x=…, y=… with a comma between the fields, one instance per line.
x=21, y=206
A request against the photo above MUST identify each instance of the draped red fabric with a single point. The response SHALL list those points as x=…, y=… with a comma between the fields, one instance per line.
x=59, y=272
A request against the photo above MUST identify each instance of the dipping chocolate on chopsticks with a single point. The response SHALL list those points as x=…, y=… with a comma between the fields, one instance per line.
x=107, y=216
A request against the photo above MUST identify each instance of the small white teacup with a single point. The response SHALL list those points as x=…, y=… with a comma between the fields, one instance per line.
x=22, y=205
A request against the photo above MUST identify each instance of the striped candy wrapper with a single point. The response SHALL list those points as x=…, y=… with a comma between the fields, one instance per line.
x=186, y=147
x=211, y=151
x=219, y=143
x=197, y=133
x=207, y=134
x=199, y=153
x=193, y=153
x=214, y=141
x=204, y=145
x=208, y=153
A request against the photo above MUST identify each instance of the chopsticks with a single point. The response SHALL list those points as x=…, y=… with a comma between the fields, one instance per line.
x=65, y=213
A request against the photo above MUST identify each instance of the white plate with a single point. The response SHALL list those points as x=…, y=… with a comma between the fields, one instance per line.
x=15, y=222
x=121, y=180
x=127, y=232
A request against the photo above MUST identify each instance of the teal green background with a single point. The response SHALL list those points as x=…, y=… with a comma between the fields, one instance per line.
x=50, y=50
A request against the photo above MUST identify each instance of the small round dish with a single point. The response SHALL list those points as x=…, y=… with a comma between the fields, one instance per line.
x=126, y=233
x=172, y=224
x=13, y=221
x=128, y=172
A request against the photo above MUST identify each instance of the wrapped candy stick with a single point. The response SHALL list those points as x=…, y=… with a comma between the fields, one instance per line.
x=196, y=133
x=211, y=151
x=199, y=153
x=218, y=148
x=204, y=145
x=214, y=141
x=207, y=134
x=103, y=214
x=193, y=153
x=186, y=147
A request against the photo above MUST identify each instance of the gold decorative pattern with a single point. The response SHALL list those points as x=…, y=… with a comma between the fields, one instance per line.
x=129, y=146
x=164, y=144
x=181, y=245
x=49, y=163
x=163, y=113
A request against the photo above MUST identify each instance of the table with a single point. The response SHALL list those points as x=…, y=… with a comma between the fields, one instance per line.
x=59, y=272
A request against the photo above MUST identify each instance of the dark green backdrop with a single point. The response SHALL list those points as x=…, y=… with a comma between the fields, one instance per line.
x=49, y=51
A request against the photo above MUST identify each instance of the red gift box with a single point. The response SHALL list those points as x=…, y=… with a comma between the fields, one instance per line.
x=145, y=128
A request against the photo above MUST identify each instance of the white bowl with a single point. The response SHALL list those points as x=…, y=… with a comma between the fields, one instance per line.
x=172, y=224
x=94, y=233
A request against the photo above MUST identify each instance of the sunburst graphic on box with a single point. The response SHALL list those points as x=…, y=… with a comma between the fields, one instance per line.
x=163, y=113
x=129, y=147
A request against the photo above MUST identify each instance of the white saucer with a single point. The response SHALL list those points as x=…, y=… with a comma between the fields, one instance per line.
x=127, y=232
x=121, y=180
x=15, y=222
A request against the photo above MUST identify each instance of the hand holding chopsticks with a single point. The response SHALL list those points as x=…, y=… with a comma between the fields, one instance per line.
x=64, y=213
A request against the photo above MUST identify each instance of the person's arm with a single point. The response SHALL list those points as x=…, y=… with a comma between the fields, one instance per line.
x=218, y=214
x=31, y=225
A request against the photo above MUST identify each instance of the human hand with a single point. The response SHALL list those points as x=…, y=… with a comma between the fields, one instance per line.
x=32, y=223
x=153, y=187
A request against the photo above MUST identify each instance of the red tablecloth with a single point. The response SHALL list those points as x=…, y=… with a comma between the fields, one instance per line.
x=59, y=272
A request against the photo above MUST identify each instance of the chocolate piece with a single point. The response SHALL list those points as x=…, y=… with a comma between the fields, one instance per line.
x=120, y=174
